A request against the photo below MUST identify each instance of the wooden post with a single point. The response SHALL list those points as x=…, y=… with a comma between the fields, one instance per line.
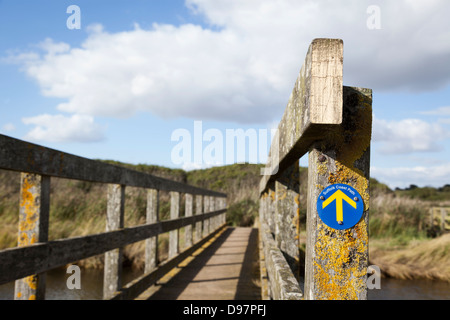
x=287, y=216
x=189, y=235
x=206, y=221
x=33, y=228
x=174, y=214
x=114, y=221
x=337, y=260
x=151, y=244
x=443, y=218
x=212, y=221
x=198, y=211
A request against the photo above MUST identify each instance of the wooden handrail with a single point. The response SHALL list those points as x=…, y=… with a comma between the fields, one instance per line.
x=35, y=254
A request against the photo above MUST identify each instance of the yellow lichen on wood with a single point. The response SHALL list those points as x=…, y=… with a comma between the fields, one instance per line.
x=339, y=256
x=29, y=212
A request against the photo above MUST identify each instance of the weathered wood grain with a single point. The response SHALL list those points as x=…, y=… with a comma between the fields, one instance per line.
x=337, y=260
x=283, y=285
x=287, y=216
x=188, y=231
x=33, y=227
x=314, y=107
x=18, y=155
x=151, y=244
x=112, y=280
x=19, y=262
x=174, y=214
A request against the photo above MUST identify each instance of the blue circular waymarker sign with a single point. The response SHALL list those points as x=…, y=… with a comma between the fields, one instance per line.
x=340, y=206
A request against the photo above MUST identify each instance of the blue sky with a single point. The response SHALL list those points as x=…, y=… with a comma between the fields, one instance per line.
x=136, y=71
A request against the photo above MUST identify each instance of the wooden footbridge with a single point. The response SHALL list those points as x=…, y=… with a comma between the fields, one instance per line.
x=324, y=118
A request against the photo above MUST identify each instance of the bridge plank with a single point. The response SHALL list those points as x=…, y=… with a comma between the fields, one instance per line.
x=314, y=107
x=18, y=155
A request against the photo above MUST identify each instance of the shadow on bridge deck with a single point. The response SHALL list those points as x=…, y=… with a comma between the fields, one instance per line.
x=226, y=269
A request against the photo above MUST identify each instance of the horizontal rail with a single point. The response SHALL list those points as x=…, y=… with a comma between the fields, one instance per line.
x=282, y=282
x=313, y=110
x=19, y=262
x=22, y=156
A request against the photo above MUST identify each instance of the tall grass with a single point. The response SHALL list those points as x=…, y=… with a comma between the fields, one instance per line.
x=398, y=218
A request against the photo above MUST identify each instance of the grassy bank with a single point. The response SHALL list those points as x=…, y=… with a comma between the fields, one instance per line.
x=400, y=241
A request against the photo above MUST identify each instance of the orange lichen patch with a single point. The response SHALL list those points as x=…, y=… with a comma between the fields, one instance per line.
x=31, y=281
x=272, y=195
x=339, y=257
x=281, y=194
x=29, y=210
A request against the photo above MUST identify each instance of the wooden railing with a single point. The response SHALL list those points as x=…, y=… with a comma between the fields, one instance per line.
x=333, y=123
x=35, y=255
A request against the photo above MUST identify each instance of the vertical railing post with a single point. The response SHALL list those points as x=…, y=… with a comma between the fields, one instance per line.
x=114, y=221
x=174, y=214
x=212, y=206
x=198, y=211
x=287, y=214
x=206, y=221
x=188, y=213
x=33, y=227
x=337, y=260
x=224, y=206
x=151, y=244
x=443, y=218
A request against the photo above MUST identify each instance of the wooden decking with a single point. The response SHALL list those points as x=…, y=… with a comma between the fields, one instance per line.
x=226, y=268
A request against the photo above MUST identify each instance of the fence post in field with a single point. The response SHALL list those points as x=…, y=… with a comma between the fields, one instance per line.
x=443, y=218
x=151, y=244
x=114, y=221
x=33, y=227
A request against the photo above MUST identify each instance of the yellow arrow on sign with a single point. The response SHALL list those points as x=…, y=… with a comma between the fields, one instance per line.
x=339, y=196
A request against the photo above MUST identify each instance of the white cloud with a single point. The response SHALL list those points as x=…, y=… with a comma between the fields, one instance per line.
x=8, y=127
x=59, y=128
x=245, y=69
x=434, y=176
x=442, y=111
x=408, y=136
